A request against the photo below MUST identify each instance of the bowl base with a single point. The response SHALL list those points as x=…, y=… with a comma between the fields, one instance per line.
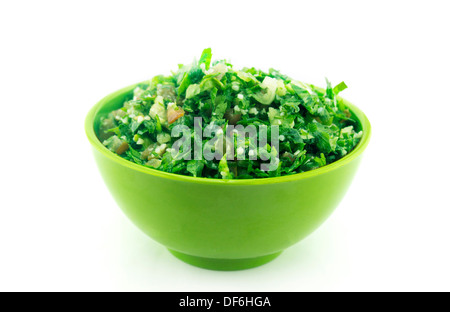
x=224, y=264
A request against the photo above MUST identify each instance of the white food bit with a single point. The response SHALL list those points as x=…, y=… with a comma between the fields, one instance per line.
x=171, y=105
x=160, y=149
x=220, y=68
x=155, y=163
x=235, y=87
x=240, y=96
x=163, y=138
x=223, y=173
x=147, y=118
x=253, y=111
x=281, y=89
x=320, y=110
x=237, y=109
x=140, y=119
x=251, y=153
x=282, y=114
x=267, y=94
x=240, y=151
x=297, y=152
x=140, y=141
x=132, y=115
x=282, y=137
x=158, y=109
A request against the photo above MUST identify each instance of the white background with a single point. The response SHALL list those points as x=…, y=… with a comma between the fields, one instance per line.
x=60, y=228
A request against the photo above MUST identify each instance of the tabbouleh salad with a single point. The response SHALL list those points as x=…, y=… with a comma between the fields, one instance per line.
x=315, y=128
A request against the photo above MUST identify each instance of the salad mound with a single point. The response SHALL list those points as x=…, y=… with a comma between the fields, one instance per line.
x=299, y=127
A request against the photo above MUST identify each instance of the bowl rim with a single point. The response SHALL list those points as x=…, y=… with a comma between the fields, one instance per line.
x=93, y=139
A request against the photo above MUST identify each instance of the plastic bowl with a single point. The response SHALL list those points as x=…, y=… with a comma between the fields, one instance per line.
x=223, y=224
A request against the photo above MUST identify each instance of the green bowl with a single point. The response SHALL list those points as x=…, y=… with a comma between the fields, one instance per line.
x=223, y=224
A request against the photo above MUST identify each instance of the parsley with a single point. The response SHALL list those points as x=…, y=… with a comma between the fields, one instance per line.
x=314, y=126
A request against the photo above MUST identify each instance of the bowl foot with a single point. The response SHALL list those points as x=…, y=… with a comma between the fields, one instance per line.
x=224, y=264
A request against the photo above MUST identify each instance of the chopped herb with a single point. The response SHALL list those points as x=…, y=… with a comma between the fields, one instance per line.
x=313, y=125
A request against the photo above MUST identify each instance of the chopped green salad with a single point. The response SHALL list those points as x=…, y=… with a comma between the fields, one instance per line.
x=211, y=120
